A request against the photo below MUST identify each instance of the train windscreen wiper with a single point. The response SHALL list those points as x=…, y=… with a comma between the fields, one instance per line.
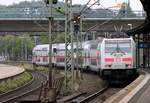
x=117, y=50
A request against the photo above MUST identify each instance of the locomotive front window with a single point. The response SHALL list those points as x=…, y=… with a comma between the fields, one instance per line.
x=125, y=47
x=117, y=46
x=110, y=47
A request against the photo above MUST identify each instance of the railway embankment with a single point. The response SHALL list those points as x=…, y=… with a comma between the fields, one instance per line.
x=12, y=77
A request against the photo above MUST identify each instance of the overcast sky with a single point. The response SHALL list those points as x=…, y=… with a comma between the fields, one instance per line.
x=135, y=4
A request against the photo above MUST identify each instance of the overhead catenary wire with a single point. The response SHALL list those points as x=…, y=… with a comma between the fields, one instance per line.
x=45, y=29
x=82, y=12
x=97, y=25
x=84, y=8
x=42, y=17
x=40, y=26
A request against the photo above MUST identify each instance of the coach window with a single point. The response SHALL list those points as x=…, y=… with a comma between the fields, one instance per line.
x=44, y=48
x=125, y=47
x=45, y=60
x=60, y=59
x=75, y=50
x=94, y=46
x=93, y=62
x=110, y=47
x=38, y=59
x=99, y=54
x=54, y=50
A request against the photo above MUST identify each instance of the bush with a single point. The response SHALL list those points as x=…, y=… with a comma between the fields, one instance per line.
x=16, y=82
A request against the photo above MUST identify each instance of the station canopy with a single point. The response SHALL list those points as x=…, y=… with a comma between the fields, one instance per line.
x=142, y=29
x=145, y=27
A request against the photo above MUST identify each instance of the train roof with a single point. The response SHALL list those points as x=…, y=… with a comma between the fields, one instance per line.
x=85, y=45
x=118, y=38
x=40, y=47
x=44, y=47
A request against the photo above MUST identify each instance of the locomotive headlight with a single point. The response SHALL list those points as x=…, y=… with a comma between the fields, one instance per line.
x=108, y=66
x=128, y=65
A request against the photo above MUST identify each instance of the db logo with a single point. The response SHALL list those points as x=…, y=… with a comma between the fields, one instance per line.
x=118, y=59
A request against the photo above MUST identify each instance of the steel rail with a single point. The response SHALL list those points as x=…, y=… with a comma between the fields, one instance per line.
x=24, y=90
x=94, y=95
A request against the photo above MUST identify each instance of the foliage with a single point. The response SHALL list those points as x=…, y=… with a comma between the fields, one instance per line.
x=103, y=97
x=13, y=47
x=56, y=38
x=59, y=38
x=43, y=38
x=18, y=47
x=13, y=83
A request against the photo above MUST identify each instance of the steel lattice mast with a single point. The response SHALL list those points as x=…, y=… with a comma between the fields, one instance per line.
x=69, y=58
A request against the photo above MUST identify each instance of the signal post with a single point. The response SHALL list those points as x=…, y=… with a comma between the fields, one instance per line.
x=51, y=92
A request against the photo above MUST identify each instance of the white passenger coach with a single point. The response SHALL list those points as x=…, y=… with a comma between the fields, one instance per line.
x=115, y=57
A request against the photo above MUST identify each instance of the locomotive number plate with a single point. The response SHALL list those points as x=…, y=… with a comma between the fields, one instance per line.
x=119, y=65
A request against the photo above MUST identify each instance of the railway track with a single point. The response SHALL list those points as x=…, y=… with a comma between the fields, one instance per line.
x=102, y=97
x=98, y=96
x=92, y=96
x=28, y=88
x=82, y=97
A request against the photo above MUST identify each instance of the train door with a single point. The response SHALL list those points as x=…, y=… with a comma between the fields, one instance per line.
x=133, y=51
x=44, y=56
x=60, y=55
x=142, y=56
x=94, y=57
x=87, y=57
x=54, y=53
x=99, y=56
x=38, y=59
x=34, y=57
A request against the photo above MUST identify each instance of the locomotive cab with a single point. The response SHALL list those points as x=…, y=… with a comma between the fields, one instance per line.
x=119, y=57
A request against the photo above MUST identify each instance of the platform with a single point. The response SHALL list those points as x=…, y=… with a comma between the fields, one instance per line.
x=143, y=95
x=9, y=71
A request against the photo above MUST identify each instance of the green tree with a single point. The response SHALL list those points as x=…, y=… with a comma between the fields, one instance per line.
x=15, y=47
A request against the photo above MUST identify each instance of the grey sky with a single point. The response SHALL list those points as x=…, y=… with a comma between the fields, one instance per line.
x=135, y=4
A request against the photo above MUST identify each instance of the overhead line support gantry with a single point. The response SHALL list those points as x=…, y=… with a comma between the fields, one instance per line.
x=69, y=57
